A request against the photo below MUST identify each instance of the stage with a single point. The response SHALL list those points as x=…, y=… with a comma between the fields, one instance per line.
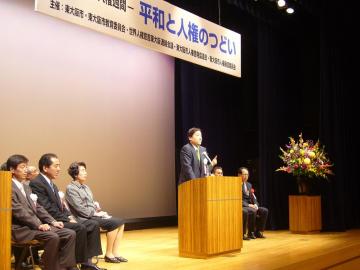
x=154, y=249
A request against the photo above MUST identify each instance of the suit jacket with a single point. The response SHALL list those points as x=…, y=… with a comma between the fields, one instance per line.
x=248, y=198
x=49, y=199
x=26, y=216
x=80, y=200
x=191, y=167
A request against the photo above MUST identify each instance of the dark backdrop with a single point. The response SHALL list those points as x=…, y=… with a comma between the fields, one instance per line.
x=297, y=76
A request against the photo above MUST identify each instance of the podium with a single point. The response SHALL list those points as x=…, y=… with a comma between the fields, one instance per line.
x=304, y=214
x=210, y=216
x=5, y=220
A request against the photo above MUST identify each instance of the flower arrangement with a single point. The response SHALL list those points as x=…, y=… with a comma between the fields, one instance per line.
x=305, y=158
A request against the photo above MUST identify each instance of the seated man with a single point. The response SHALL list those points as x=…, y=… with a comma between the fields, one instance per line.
x=217, y=171
x=3, y=167
x=31, y=221
x=88, y=242
x=257, y=215
x=31, y=173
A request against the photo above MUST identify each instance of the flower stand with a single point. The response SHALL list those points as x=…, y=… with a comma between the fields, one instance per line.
x=304, y=214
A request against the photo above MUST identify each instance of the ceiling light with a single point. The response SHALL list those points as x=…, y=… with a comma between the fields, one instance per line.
x=290, y=10
x=281, y=3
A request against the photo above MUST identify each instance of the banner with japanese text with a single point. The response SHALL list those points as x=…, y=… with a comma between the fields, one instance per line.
x=156, y=25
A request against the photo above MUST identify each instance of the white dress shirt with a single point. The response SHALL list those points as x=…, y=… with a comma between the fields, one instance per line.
x=20, y=186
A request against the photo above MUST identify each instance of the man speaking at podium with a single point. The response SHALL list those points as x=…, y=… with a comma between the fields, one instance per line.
x=194, y=160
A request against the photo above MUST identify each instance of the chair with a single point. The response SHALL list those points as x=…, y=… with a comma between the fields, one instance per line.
x=26, y=247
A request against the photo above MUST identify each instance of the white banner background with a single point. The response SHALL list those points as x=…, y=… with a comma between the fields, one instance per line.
x=157, y=25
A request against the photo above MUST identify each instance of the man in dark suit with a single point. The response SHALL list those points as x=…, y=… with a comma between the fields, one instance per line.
x=257, y=215
x=194, y=160
x=31, y=221
x=88, y=243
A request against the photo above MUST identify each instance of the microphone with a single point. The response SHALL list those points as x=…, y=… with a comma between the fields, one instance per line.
x=207, y=157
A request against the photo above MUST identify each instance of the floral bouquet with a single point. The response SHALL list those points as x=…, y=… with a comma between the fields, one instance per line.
x=304, y=158
x=33, y=197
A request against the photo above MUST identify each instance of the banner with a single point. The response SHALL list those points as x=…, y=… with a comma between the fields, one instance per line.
x=156, y=25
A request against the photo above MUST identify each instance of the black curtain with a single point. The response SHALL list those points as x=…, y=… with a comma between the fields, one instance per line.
x=288, y=90
x=295, y=78
x=280, y=115
x=338, y=107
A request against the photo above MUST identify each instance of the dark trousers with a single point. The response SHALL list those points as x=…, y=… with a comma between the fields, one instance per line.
x=88, y=243
x=245, y=220
x=248, y=220
x=261, y=218
x=256, y=218
x=59, y=248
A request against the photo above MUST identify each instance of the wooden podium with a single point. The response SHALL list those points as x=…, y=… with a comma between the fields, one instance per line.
x=5, y=220
x=304, y=214
x=210, y=216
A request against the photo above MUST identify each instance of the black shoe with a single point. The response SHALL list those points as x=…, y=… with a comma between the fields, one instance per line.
x=111, y=260
x=26, y=266
x=251, y=235
x=121, y=259
x=89, y=266
x=245, y=237
x=259, y=234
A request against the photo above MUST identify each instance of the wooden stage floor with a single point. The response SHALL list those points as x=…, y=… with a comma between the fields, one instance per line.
x=158, y=249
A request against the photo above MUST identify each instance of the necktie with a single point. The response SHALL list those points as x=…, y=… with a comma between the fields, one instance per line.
x=57, y=196
x=198, y=153
x=245, y=189
x=24, y=193
x=22, y=190
x=52, y=186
